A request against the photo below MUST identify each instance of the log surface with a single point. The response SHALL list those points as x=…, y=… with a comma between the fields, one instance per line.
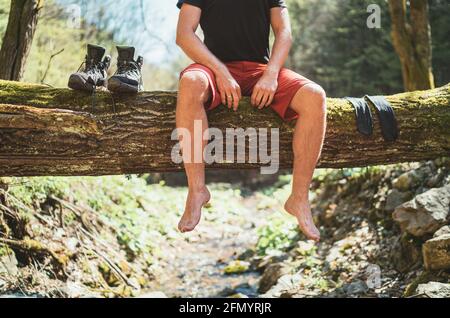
x=48, y=131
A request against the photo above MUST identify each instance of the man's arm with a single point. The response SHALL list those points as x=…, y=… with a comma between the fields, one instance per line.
x=191, y=44
x=266, y=88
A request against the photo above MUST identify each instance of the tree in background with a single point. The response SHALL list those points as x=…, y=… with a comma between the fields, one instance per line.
x=4, y=11
x=411, y=35
x=333, y=44
x=334, y=47
x=61, y=35
x=18, y=38
x=439, y=13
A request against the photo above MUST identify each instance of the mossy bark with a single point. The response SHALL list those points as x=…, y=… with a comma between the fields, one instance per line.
x=48, y=131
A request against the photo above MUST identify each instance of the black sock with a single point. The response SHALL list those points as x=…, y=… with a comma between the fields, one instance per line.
x=364, y=121
x=386, y=114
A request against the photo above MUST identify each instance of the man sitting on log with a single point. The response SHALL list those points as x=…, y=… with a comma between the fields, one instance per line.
x=234, y=61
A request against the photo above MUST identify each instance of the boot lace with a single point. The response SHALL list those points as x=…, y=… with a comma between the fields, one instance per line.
x=89, y=66
x=124, y=67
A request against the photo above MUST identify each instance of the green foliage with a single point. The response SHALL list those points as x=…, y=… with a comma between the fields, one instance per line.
x=34, y=190
x=139, y=213
x=333, y=175
x=125, y=205
x=5, y=251
x=54, y=34
x=440, y=30
x=278, y=235
x=334, y=46
x=4, y=11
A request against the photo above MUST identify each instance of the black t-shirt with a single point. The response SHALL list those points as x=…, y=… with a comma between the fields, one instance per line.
x=236, y=30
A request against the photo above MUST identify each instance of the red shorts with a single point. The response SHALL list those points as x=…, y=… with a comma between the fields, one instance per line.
x=247, y=74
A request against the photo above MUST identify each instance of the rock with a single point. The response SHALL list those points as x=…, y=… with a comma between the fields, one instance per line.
x=287, y=283
x=237, y=267
x=244, y=289
x=405, y=254
x=434, y=290
x=8, y=264
x=357, y=287
x=442, y=231
x=261, y=263
x=436, y=253
x=75, y=290
x=396, y=198
x=287, y=294
x=125, y=268
x=407, y=181
x=155, y=294
x=21, y=296
x=426, y=213
x=271, y=276
x=338, y=250
x=71, y=245
x=226, y=292
x=373, y=276
x=248, y=254
x=238, y=296
x=306, y=248
x=334, y=254
x=440, y=162
x=435, y=180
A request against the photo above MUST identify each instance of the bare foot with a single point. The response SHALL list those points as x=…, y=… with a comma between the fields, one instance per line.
x=301, y=209
x=193, y=211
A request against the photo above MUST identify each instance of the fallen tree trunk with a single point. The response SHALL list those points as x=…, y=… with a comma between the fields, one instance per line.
x=47, y=131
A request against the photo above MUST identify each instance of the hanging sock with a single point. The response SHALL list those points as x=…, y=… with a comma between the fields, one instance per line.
x=364, y=120
x=386, y=114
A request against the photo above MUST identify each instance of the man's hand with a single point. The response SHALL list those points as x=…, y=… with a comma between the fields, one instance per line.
x=191, y=44
x=229, y=90
x=265, y=90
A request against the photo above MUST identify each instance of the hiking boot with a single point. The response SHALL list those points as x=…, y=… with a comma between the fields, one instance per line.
x=95, y=70
x=128, y=77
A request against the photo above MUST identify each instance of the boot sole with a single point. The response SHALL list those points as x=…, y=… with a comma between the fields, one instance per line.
x=116, y=86
x=79, y=84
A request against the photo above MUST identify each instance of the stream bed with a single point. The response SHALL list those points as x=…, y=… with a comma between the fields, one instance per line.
x=193, y=265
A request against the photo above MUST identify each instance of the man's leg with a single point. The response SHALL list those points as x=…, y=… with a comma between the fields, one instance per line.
x=310, y=104
x=193, y=93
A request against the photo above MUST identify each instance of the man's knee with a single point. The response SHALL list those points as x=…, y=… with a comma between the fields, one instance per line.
x=194, y=86
x=316, y=92
x=311, y=98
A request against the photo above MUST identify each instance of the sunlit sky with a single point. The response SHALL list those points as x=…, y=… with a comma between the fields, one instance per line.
x=161, y=19
x=166, y=29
